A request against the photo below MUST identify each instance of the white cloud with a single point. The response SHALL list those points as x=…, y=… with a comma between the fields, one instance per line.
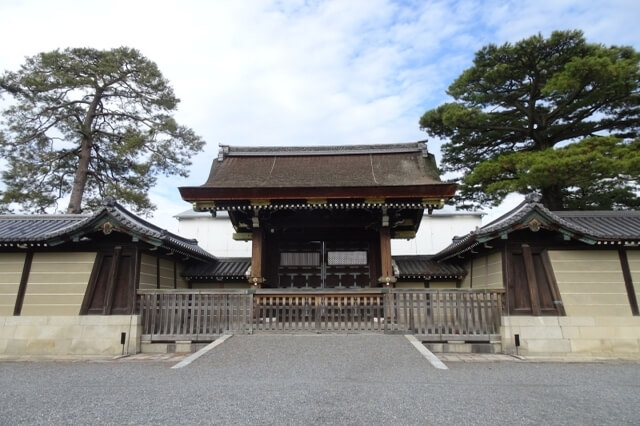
x=301, y=72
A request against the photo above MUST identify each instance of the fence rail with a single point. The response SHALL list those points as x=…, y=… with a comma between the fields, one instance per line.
x=431, y=314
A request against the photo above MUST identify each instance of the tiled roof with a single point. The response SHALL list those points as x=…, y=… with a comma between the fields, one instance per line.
x=222, y=267
x=344, y=166
x=32, y=228
x=608, y=224
x=420, y=266
x=591, y=227
x=408, y=267
x=54, y=229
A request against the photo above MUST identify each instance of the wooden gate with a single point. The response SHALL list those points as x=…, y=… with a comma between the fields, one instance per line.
x=436, y=315
x=319, y=312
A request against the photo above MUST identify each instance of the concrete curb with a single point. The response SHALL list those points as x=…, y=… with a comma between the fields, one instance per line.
x=426, y=353
x=188, y=360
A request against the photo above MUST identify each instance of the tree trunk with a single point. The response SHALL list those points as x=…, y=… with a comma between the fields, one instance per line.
x=80, y=180
x=552, y=198
x=82, y=171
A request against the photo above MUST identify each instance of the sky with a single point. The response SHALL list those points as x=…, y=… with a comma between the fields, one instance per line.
x=302, y=72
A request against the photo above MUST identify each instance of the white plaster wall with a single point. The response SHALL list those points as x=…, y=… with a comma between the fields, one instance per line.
x=214, y=234
x=436, y=232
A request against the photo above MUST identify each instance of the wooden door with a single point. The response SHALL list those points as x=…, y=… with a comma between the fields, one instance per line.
x=531, y=286
x=112, y=285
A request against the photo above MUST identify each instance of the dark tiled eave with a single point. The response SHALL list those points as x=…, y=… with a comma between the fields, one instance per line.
x=51, y=230
x=590, y=227
x=623, y=225
x=221, y=268
x=409, y=267
x=423, y=267
x=34, y=229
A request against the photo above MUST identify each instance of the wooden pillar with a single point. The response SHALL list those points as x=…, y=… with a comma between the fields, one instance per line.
x=257, y=256
x=386, y=268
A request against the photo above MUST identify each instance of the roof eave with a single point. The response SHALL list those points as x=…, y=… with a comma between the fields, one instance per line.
x=204, y=193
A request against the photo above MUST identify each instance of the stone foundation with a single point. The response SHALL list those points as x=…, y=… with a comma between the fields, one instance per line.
x=87, y=335
x=572, y=336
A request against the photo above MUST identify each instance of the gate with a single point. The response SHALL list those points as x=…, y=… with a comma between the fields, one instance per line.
x=435, y=315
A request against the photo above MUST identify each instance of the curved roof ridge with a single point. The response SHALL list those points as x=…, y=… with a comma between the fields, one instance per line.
x=312, y=150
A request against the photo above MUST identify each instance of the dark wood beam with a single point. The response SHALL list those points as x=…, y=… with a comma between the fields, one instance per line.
x=628, y=281
x=413, y=192
x=24, y=278
x=553, y=284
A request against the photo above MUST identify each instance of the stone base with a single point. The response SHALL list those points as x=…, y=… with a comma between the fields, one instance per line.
x=462, y=347
x=85, y=335
x=572, y=336
x=169, y=348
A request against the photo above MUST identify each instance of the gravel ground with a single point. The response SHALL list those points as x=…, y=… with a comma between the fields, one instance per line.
x=354, y=379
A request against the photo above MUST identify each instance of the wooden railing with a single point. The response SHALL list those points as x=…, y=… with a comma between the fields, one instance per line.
x=447, y=314
x=170, y=315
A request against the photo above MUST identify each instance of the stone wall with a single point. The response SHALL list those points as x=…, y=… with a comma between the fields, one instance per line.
x=87, y=335
x=572, y=336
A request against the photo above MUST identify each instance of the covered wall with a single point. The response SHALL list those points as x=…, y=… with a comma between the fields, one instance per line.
x=484, y=272
x=160, y=273
x=57, y=283
x=599, y=319
x=633, y=257
x=11, y=266
x=591, y=282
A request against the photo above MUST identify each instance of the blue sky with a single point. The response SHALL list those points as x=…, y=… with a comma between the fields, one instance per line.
x=302, y=72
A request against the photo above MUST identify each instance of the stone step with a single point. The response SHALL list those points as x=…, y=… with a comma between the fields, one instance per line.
x=463, y=347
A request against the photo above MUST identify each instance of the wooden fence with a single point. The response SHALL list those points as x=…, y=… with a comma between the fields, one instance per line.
x=447, y=315
x=193, y=315
x=436, y=315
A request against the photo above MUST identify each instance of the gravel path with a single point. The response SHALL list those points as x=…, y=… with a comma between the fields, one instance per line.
x=328, y=379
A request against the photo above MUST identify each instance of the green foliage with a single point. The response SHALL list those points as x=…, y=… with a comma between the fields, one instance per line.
x=89, y=124
x=532, y=96
x=594, y=173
